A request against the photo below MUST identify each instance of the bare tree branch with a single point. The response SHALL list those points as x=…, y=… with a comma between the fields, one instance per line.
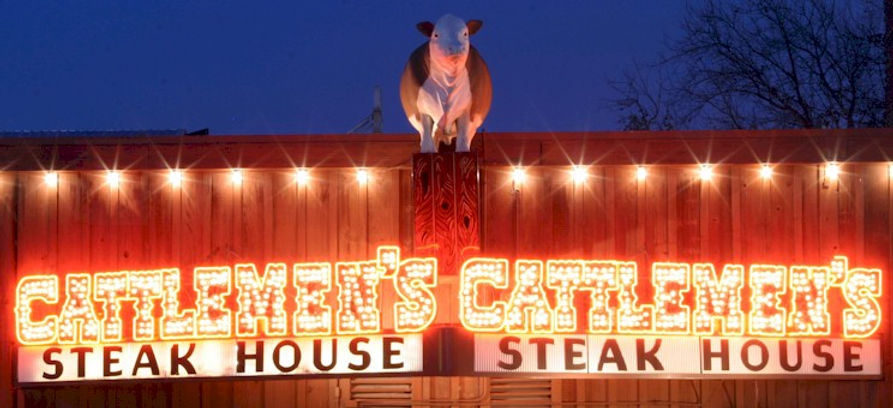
x=763, y=64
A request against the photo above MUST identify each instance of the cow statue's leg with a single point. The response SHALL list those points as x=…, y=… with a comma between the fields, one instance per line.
x=465, y=133
x=428, y=129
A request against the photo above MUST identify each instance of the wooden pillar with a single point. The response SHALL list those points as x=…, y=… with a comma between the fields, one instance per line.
x=445, y=188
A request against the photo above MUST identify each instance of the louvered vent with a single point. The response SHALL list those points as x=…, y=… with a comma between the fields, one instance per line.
x=520, y=392
x=381, y=392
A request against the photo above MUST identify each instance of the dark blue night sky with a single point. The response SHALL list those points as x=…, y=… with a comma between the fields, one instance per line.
x=284, y=67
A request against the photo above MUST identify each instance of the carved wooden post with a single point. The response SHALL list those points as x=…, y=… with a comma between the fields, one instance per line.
x=447, y=222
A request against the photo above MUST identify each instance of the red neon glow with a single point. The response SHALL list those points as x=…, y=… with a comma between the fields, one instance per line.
x=615, y=306
x=358, y=297
x=564, y=277
x=809, y=313
x=537, y=297
x=145, y=287
x=212, y=285
x=414, y=280
x=388, y=260
x=475, y=273
x=767, y=284
x=44, y=288
x=718, y=299
x=599, y=278
x=861, y=290
x=261, y=299
x=77, y=320
x=528, y=309
x=175, y=324
x=670, y=281
x=313, y=281
x=631, y=318
x=111, y=289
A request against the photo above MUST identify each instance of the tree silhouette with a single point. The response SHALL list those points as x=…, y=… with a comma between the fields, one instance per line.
x=753, y=64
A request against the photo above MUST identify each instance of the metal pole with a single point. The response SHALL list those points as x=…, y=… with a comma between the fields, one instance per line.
x=376, y=110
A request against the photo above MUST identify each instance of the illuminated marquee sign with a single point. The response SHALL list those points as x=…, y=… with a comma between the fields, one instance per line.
x=755, y=320
x=254, y=330
x=556, y=316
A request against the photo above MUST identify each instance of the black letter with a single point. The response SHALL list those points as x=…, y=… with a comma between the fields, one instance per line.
x=258, y=356
x=356, y=351
x=81, y=352
x=616, y=357
x=296, y=354
x=650, y=356
x=849, y=356
x=723, y=354
x=317, y=355
x=389, y=352
x=107, y=361
x=764, y=355
x=570, y=354
x=147, y=351
x=829, y=359
x=783, y=356
x=177, y=361
x=516, y=355
x=541, y=343
x=48, y=358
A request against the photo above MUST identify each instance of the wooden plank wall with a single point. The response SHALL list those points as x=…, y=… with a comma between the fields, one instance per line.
x=798, y=216
x=84, y=225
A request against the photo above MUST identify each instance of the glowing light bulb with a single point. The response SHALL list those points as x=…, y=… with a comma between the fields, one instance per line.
x=579, y=174
x=362, y=176
x=113, y=178
x=236, y=176
x=832, y=171
x=302, y=176
x=705, y=172
x=175, y=177
x=518, y=176
x=51, y=179
x=766, y=172
x=641, y=173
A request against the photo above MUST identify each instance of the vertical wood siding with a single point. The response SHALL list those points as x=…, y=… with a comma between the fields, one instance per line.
x=797, y=216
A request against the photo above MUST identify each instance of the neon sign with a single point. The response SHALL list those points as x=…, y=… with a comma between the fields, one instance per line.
x=717, y=299
x=92, y=305
x=687, y=299
x=280, y=308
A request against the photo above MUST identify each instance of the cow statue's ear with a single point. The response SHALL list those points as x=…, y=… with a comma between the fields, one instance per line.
x=426, y=28
x=474, y=26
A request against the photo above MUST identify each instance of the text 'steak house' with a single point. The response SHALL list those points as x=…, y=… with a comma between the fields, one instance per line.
x=730, y=268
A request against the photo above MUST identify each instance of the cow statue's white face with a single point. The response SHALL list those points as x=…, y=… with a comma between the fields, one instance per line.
x=449, y=42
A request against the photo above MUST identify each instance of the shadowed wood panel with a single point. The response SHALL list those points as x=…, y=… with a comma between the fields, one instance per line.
x=286, y=247
x=8, y=236
x=444, y=211
x=423, y=192
x=37, y=248
x=501, y=148
x=84, y=224
x=445, y=194
x=468, y=241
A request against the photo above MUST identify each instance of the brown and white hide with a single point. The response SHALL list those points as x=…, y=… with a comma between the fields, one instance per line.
x=445, y=88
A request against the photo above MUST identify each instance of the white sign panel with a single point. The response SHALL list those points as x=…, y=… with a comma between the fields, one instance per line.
x=371, y=354
x=674, y=355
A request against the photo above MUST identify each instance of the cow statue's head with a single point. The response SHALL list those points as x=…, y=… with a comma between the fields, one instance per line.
x=448, y=42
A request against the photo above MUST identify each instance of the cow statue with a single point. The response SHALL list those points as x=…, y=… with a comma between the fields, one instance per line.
x=445, y=88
